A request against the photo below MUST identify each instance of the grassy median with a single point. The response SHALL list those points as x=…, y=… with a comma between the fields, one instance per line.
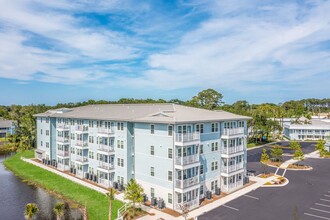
x=97, y=203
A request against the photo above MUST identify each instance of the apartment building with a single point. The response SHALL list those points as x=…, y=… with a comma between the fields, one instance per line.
x=314, y=129
x=6, y=127
x=177, y=153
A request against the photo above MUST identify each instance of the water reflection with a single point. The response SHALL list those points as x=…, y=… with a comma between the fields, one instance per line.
x=15, y=194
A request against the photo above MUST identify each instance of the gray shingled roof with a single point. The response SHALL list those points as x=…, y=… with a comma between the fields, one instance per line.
x=5, y=123
x=156, y=113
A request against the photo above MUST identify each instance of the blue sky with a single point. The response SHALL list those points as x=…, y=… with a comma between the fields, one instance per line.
x=68, y=51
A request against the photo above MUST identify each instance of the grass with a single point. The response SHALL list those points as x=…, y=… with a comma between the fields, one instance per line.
x=97, y=204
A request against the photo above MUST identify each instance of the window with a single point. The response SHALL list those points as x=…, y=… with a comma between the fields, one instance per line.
x=170, y=130
x=122, y=162
x=152, y=171
x=152, y=150
x=152, y=129
x=170, y=153
x=152, y=192
x=201, y=149
x=47, y=120
x=214, y=166
x=40, y=120
x=120, y=126
x=201, y=190
x=170, y=176
x=47, y=144
x=199, y=128
x=169, y=198
x=40, y=131
x=215, y=127
x=118, y=162
x=201, y=169
x=47, y=132
x=40, y=143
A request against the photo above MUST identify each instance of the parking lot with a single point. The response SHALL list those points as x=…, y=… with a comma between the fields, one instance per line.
x=307, y=196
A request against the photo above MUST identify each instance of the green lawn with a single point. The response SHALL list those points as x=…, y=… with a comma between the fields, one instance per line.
x=97, y=203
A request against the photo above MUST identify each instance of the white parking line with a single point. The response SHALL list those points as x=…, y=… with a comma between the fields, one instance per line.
x=252, y=197
x=326, y=195
x=322, y=205
x=316, y=216
x=230, y=207
x=320, y=210
x=326, y=200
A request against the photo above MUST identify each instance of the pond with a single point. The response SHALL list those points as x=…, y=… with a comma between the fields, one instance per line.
x=15, y=194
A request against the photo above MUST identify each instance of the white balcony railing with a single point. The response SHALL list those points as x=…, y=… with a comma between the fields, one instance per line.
x=187, y=182
x=63, y=139
x=191, y=204
x=106, y=166
x=187, y=137
x=81, y=159
x=232, y=168
x=104, y=182
x=103, y=130
x=232, y=150
x=62, y=153
x=81, y=128
x=233, y=186
x=187, y=159
x=81, y=143
x=63, y=126
x=106, y=148
x=232, y=131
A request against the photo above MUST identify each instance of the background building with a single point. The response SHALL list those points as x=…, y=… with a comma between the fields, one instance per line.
x=176, y=153
x=6, y=127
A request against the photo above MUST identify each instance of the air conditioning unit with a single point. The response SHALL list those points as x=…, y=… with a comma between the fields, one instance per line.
x=87, y=175
x=217, y=191
x=153, y=201
x=208, y=194
x=161, y=204
x=115, y=185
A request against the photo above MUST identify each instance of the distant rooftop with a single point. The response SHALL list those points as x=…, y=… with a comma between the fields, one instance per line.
x=5, y=123
x=313, y=124
x=156, y=113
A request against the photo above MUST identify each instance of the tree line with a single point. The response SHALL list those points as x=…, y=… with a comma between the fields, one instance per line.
x=261, y=124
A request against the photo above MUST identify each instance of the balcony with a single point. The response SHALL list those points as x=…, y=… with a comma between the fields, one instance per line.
x=226, y=151
x=62, y=127
x=230, y=132
x=232, y=186
x=187, y=138
x=191, y=204
x=105, y=149
x=63, y=140
x=63, y=167
x=187, y=160
x=104, y=182
x=105, y=132
x=81, y=159
x=106, y=166
x=82, y=144
x=181, y=184
x=62, y=153
x=232, y=168
x=81, y=129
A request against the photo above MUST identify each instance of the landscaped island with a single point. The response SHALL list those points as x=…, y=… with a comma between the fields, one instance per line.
x=97, y=203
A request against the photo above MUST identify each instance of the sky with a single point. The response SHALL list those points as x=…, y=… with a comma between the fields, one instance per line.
x=255, y=50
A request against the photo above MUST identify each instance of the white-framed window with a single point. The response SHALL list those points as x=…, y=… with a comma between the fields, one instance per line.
x=199, y=128
x=47, y=144
x=170, y=175
x=170, y=130
x=152, y=171
x=201, y=169
x=120, y=126
x=40, y=131
x=201, y=149
x=170, y=153
x=214, y=165
x=41, y=143
x=152, y=129
x=47, y=120
x=215, y=127
x=152, y=150
x=169, y=198
x=152, y=192
x=118, y=162
x=47, y=132
x=122, y=162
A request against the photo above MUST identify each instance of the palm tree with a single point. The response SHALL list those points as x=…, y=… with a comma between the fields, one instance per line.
x=31, y=210
x=134, y=193
x=59, y=210
x=111, y=196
